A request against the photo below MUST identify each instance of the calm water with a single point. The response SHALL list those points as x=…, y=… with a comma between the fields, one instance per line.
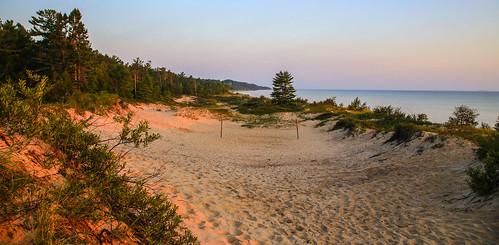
x=438, y=105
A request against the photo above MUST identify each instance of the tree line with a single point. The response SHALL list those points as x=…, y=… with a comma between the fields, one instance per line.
x=57, y=46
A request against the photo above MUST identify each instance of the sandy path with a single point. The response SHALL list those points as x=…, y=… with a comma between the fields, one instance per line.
x=264, y=186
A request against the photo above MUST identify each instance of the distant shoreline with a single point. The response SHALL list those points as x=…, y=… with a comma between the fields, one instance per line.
x=437, y=104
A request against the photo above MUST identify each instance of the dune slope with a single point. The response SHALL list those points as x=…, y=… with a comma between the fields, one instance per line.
x=262, y=185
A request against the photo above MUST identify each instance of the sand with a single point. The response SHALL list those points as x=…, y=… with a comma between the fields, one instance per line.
x=263, y=186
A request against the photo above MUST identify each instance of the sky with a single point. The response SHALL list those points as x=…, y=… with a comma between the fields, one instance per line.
x=382, y=44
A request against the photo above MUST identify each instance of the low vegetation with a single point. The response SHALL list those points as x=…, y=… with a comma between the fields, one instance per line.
x=349, y=124
x=245, y=104
x=404, y=132
x=484, y=178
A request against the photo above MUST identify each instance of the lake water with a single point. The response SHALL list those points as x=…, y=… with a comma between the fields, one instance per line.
x=438, y=105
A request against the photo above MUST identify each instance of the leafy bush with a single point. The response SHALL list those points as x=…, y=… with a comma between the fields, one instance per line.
x=463, y=116
x=404, y=132
x=20, y=108
x=484, y=178
x=422, y=117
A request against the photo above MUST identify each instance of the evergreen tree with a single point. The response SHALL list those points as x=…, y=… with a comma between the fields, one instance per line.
x=57, y=46
x=136, y=67
x=283, y=91
x=50, y=27
x=78, y=38
x=16, y=50
x=496, y=126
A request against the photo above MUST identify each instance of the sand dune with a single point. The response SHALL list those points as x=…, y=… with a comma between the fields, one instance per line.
x=263, y=186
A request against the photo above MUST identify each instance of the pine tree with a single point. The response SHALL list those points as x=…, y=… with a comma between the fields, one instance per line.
x=16, y=50
x=283, y=90
x=496, y=126
x=51, y=27
x=136, y=67
x=78, y=38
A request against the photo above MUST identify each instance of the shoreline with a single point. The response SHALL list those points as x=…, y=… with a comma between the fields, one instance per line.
x=438, y=105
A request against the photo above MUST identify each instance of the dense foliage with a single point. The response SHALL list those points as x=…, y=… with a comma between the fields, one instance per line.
x=463, y=116
x=484, y=178
x=57, y=46
x=90, y=198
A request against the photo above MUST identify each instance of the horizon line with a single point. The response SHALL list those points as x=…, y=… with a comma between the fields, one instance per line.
x=394, y=90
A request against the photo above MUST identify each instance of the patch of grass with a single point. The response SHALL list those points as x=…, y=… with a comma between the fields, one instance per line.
x=93, y=102
x=257, y=106
x=325, y=116
x=349, y=124
x=264, y=121
x=404, y=133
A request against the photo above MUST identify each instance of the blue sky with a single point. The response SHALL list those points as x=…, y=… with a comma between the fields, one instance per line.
x=399, y=44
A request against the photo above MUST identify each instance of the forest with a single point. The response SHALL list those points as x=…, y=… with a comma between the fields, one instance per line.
x=57, y=46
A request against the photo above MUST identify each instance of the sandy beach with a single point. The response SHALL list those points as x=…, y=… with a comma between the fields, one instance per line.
x=263, y=186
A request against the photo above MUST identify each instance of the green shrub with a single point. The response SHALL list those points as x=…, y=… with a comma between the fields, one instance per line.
x=348, y=124
x=94, y=190
x=484, y=178
x=357, y=105
x=20, y=108
x=404, y=132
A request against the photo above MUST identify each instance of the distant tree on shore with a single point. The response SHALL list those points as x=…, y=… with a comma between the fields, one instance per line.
x=422, y=117
x=283, y=91
x=357, y=105
x=463, y=116
x=496, y=126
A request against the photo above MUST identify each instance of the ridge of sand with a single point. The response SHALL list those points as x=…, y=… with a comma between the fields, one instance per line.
x=262, y=186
